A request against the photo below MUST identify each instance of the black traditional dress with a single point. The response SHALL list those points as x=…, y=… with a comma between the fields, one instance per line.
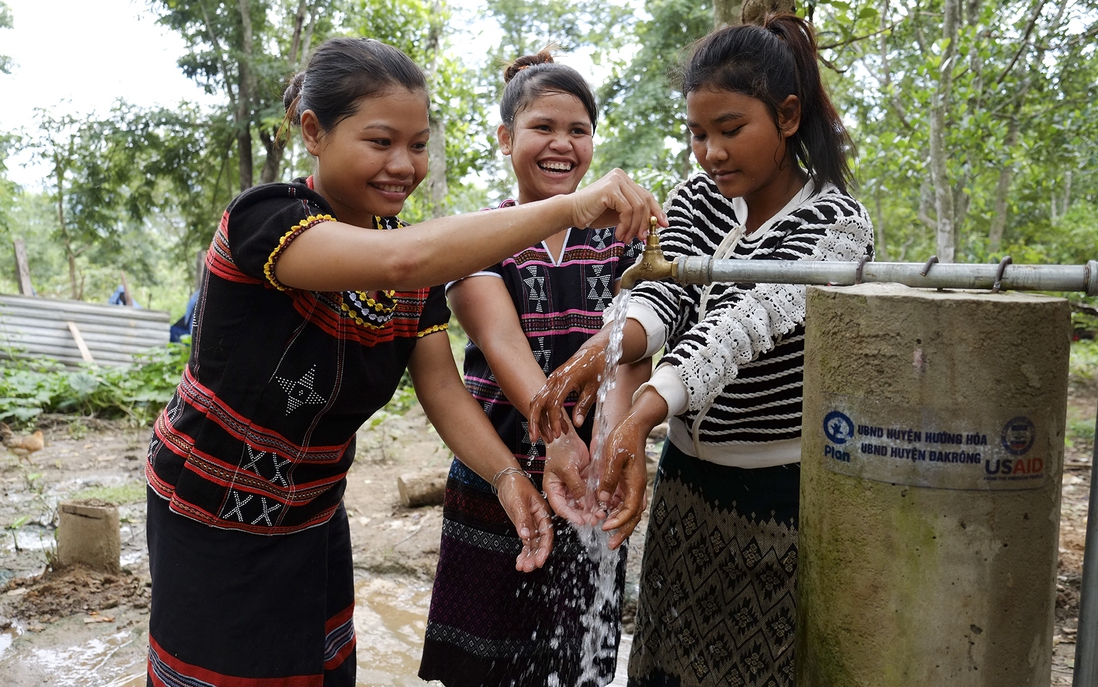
x=248, y=542
x=490, y=624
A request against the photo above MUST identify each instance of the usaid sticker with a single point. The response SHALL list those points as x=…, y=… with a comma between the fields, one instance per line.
x=942, y=448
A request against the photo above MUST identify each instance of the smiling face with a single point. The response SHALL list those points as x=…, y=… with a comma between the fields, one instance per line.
x=550, y=146
x=737, y=142
x=370, y=162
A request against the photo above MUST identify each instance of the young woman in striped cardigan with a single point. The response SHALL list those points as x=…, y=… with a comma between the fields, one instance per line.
x=717, y=584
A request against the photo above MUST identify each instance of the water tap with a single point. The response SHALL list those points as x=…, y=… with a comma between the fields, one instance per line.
x=652, y=265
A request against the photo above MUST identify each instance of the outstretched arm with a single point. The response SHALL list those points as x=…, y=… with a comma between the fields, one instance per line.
x=332, y=256
x=466, y=430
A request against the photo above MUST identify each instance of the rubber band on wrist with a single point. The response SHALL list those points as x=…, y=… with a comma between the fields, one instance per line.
x=511, y=470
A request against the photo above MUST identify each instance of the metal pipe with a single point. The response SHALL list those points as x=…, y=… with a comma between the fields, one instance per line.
x=705, y=270
x=1086, y=638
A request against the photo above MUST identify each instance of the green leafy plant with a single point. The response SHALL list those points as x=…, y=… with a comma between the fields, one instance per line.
x=1080, y=432
x=136, y=392
x=1083, y=365
x=14, y=529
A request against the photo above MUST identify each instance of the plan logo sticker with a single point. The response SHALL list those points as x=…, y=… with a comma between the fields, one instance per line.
x=1018, y=435
x=838, y=427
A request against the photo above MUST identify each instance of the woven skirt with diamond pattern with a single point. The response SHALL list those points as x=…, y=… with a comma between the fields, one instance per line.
x=716, y=600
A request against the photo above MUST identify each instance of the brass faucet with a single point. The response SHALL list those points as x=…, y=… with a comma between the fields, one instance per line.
x=652, y=265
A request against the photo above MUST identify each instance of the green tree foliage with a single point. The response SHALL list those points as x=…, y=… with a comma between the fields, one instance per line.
x=459, y=113
x=973, y=120
x=530, y=26
x=644, y=111
x=119, y=185
x=246, y=51
x=8, y=189
x=598, y=30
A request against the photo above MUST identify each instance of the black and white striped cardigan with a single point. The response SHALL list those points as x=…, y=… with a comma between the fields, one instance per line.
x=738, y=349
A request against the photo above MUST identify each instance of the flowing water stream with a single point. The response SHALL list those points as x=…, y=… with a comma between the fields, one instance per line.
x=597, y=642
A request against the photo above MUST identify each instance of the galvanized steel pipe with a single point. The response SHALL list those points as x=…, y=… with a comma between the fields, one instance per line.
x=1086, y=640
x=705, y=270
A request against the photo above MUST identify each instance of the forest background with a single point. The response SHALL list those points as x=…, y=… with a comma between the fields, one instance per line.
x=975, y=123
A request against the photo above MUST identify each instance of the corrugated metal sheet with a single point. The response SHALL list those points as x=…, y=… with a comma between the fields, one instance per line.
x=38, y=327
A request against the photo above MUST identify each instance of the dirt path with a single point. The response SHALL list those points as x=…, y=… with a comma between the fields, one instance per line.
x=83, y=629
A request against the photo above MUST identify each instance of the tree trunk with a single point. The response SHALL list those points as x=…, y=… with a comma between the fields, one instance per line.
x=59, y=172
x=295, y=42
x=726, y=12
x=247, y=88
x=685, y=157
x=271, y=143
x=72, y=273
x=274, y=157
x=1002, y=190
x=755, y=11
x=939, y=167
x=437, y=188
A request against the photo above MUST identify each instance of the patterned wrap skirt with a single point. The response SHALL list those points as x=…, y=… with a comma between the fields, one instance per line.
x=716, y=602
x=491, y=625
x=234, y=609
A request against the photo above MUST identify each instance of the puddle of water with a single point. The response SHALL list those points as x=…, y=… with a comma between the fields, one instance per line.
x=6, y=638
x=390, y=618
x=30, y=537
x=77, y=666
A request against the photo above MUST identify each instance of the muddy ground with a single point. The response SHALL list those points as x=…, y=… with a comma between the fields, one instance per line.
x=86, y=629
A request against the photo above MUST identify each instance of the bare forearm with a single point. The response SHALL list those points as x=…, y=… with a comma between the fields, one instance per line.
x=333, y=256
x=648, y=411
x=465, y=428
x=453, y=411
x=620, y=399
x=337, y=257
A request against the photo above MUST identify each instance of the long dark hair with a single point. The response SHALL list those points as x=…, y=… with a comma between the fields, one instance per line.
x=532, y=76
x=341, y=72
x=770, y=63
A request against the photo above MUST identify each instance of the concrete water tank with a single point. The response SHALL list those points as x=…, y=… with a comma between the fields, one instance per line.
x=930, y=487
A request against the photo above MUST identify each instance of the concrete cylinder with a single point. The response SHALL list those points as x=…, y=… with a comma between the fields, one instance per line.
x=87, y=535
x=930, y=487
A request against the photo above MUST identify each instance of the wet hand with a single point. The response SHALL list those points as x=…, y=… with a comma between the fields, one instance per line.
x=616, y=200
x=581, y=373
x=529, y=513
x=623, y=485
x=565, y=481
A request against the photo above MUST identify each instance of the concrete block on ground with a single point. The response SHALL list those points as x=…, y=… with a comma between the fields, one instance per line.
x=88, y=535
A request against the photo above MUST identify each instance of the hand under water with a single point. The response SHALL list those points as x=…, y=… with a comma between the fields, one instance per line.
x=567, y=464
x=529, y=512
x=582, y=374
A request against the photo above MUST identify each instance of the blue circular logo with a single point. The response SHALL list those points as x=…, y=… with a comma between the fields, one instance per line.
x=838, y=427
x=1018, y=435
